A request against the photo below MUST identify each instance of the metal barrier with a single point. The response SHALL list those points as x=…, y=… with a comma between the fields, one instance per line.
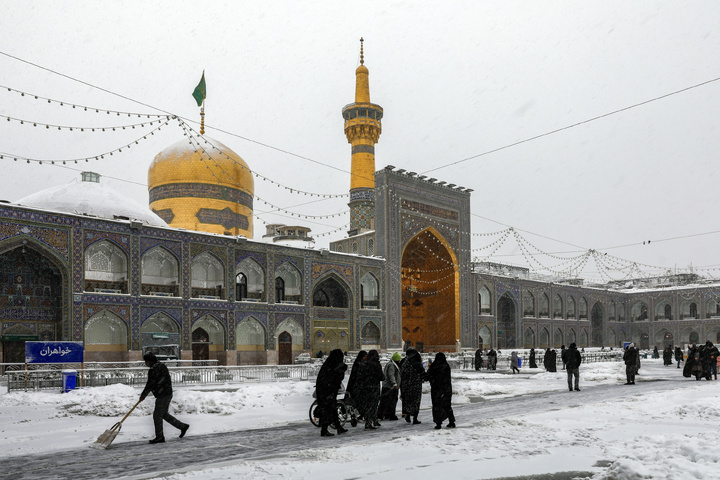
x=181, y=375
x=504, y=360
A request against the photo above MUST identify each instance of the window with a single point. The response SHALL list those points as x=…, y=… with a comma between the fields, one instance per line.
x=371, y=248
x=557, y=306
x=288, y=284
x=354, y=247
x=638, y=312
x=160, y=273
x=612, y=314
x=583, y=309
x=106, y=268
x=484, y=301
x=528, y=304
x=544, y=306
x=208, y=277
x=249, y=281
x=571, y=308
x=369, y=292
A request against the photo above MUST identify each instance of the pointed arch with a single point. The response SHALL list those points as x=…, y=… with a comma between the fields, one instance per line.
x=639, y=312
x=288, y=284
x=369, y=291
x=331, y=291
x=106, y=268
x=484, y=300
x=430, y=302
x=529, y=338
x=507, y=321
x=596, y=324
x=528, y=304
x=249, y=281
x=159, y=272
x=559, y=338
x=571, y=314
x=544, y=307
x=544, y=339
x=208, y=277
x=250, y=342
x=486, y=335
x=557, y=306
x=106, y=337
x=208, y=338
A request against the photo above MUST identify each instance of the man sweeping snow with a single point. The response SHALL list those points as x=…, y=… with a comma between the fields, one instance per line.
x=160, y=385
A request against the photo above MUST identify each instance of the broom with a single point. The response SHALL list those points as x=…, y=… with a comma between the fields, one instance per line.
x=107, y=437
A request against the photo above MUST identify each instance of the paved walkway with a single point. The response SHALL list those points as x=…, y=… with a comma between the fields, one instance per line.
x=139, y=460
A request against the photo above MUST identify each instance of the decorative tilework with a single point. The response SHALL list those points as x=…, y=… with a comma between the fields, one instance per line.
x=55, y=238
x=166, y=214
x=225, y=217
x=423, y=208
x=345, y=271
x=201, y=190
x=92, y=236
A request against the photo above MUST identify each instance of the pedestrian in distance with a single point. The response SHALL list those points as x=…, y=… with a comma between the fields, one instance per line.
x=367, y=388
x=159, y=384
x=492, y=359
x=438, y=375
x=411, y=378
x=514, y=362
x=678, y=356
x=478, y=359
x=390, y=389
x=667, y=356
x=630, y=357
x=655, y=353
x=572, y=361
x=562, y=355
x=532, y=361
x=327, y=385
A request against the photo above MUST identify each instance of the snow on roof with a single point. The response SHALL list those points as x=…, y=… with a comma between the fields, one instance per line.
x=90, y=198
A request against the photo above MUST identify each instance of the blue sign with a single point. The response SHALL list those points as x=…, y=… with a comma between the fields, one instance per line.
x=54, y=352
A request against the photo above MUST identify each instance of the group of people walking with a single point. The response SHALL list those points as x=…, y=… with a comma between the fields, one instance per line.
x=375, y=390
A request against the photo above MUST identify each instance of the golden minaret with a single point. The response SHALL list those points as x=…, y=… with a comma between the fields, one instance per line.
x=362, y=129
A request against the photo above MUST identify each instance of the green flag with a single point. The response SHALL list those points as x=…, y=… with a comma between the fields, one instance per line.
x=199, y=93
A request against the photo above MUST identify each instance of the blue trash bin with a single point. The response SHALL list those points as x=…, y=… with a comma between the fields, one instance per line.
x=519, y=362
x=69, y=377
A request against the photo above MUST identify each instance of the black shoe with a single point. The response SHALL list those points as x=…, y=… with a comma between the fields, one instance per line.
x=157, y=440
x=370, y=427
x=571, y=389
x=376, y=424
x=451, y=425
x=577, y=389
x=393, y=418
x=438, y=426
x=325, y=433
x=416, y=422
x=407, y=418
x=184, y=430
x=340, y=430
x=628, y=383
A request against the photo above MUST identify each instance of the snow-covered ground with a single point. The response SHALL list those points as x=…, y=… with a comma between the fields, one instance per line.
x=669, y=433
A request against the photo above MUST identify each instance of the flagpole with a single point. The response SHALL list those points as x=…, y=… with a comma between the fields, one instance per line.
x=202, y=119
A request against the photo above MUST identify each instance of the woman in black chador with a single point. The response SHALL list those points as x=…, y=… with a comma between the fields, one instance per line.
x=552, y=361
x=532, y=362
x=367, y=389
x=438, y=375
x=349, y=394
x=328, y=383
x=411, y=378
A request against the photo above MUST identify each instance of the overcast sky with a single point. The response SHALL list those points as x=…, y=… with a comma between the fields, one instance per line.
x=455, y=79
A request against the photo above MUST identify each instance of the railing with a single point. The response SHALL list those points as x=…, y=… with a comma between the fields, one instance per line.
x=504, y=360
x=181, y=375
x=11, y=367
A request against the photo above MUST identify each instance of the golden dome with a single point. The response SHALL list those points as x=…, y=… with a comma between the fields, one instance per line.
x=206, y=188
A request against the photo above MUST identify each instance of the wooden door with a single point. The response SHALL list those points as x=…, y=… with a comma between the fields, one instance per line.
x=285, y=349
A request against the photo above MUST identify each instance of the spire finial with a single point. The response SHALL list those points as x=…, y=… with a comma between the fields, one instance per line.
x=362, y=57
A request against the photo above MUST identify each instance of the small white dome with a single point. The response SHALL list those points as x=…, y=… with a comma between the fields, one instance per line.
x=91, y=198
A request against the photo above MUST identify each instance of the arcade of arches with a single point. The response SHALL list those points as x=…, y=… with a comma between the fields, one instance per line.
x=31, y=293
x=430, y=300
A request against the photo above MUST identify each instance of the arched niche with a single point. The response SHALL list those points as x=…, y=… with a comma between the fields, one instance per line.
x=106, y=338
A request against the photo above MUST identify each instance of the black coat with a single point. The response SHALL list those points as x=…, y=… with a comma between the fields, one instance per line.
x=533, y=363
x=572, y=359
x=411, y=378
x=478, y=359
x=438, y=375
x=366, y=391
x=158, y=382
x=328, y=383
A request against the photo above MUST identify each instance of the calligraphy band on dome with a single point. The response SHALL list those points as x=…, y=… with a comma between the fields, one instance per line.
x=363, y=149
x=201, y=190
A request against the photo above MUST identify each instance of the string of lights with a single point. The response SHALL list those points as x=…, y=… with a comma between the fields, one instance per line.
x=100, y=156
x=85, y=107
x=84, y=128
